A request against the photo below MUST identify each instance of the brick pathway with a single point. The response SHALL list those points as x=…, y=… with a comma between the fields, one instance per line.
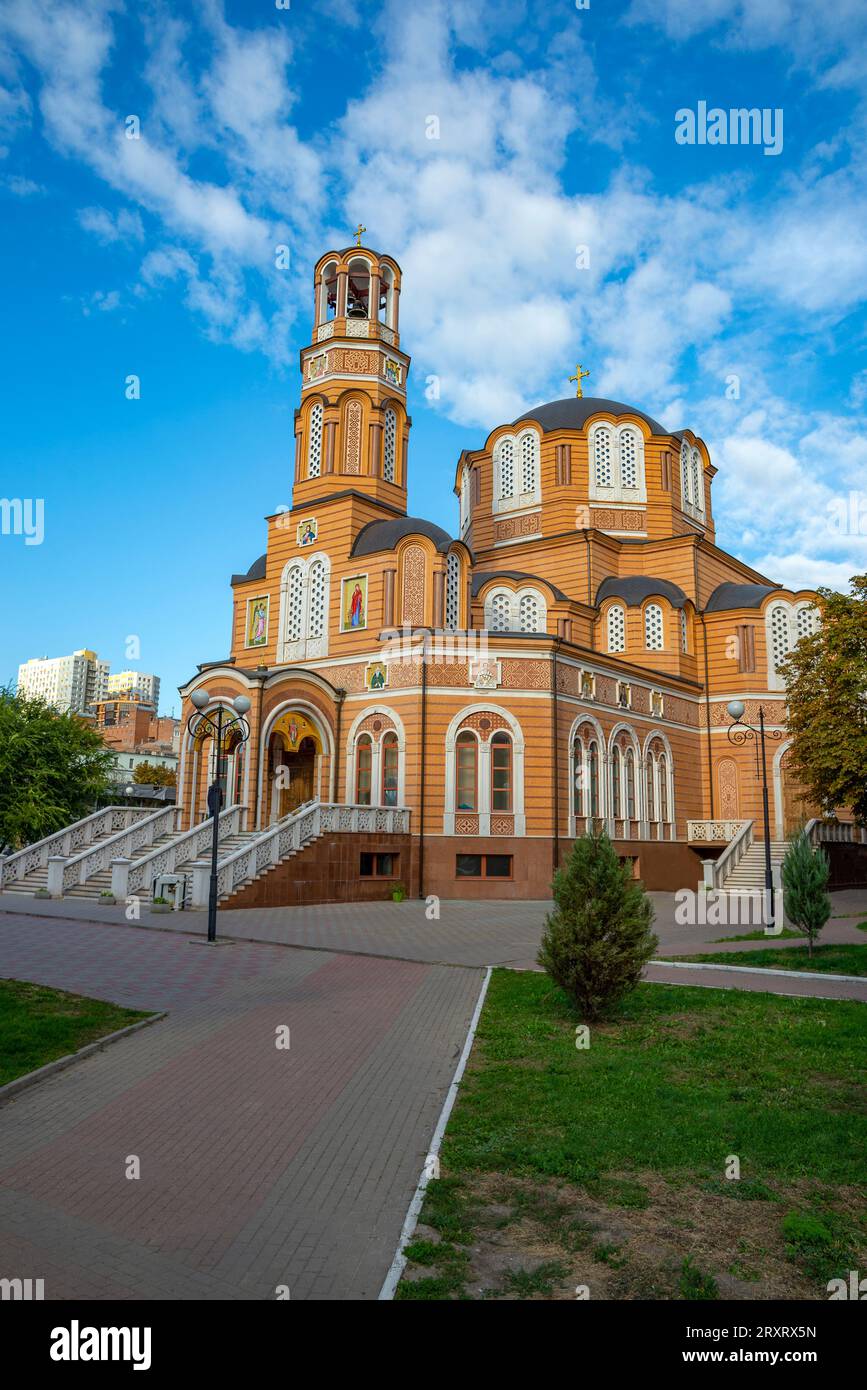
x=259, y=1166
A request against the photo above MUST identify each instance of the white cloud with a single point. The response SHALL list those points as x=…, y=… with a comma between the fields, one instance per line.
x=123, y=226
x=21, y=187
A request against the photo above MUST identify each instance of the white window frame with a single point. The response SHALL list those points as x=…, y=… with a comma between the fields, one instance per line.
x=305, y=647
x=514, y=597
x=389, y=446
x=791, y=612
x=692, y=480
x=452, y=596
x=615, y=608
x=464, y=495
x=315, y=435
x=617, y=490
x=483, y=772
x=654, y=608
x=520, y=497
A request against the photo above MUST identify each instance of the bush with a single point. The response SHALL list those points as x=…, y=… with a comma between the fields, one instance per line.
x=598, y=939
x=805, y=881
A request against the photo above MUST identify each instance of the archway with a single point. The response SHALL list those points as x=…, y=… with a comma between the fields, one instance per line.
x=294, y=760
x=794, y=807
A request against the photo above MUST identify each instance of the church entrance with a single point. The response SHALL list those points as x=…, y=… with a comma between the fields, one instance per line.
x=796, y=807
x=294, y=754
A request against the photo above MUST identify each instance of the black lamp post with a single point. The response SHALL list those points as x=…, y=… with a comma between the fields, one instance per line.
x=216, y=724
x=739, y=733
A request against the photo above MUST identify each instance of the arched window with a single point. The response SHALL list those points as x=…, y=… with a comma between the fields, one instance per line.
x=806, y=620
x=528, y=614
x=389, y=448
x=363, y=769
x=616, y=628
x=314, y=442
x=780, y=635
x=453, y=591
x=602, y=456
x=358, y=289
x=659, y=804
x=303, y=625
x=466, y=771
x=294, y=604
x=529, y=461
x=385, y=312
x=506, y=469
x=691, y=479
x=316, y=604
x=593, y=778
x=684, y=632
x=630, y=784
x=328, y=301
x=616, y=774
x=662, y=766
x=685, y=479
x=651, y=788
x=501, y=772
x=464, y=496
x=653, y=632
x=500, y=613
x=697, y=481
x=628, y=458
x=390, y=759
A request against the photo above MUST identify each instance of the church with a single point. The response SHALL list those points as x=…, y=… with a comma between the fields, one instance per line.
x=566, y=657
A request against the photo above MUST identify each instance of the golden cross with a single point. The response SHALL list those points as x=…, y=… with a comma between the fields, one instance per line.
x=357, y=234
x=579, y=390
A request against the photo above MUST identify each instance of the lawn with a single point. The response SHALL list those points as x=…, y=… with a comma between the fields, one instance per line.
x=605, y=1167
x=835, y=960
x=38, y=1025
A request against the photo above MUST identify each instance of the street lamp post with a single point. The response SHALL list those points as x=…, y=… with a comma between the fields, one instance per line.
x=739, y=733
x=216, y=724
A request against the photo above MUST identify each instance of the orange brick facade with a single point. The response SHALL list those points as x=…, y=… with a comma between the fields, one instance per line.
x=567, y=656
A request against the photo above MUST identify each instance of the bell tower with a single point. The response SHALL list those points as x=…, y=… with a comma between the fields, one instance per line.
x=352, y=428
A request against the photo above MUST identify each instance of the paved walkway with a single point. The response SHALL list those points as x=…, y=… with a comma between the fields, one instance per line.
x=260, y=1167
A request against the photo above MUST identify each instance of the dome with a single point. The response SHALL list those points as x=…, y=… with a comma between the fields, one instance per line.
x=574, y=412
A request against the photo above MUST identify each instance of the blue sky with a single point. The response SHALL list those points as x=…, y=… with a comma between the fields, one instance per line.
x=262, y=126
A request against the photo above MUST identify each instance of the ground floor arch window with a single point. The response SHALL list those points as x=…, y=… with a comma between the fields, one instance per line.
x=363, y=769
x=390, y=755
x=501, y=772
x=585, y=776
x=659, y=781
x=466, y=771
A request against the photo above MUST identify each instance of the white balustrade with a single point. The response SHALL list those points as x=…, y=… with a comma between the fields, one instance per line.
x=65, y=842
x=705, y=831
x=193, y=844
x=82, y=867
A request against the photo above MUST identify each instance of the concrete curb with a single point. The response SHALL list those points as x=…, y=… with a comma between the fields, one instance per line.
x=398, y=1264
x=760, y=970
x=32, y=1078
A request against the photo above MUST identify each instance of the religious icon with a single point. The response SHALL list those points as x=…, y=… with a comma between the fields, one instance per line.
x=353, y=609
x=392, y=371
x=257, y=621
x=376, y=675
x=308, y=530
x=316, y=367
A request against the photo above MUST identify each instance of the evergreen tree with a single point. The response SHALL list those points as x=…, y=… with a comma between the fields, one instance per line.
x=805, y=882
x=598, y=939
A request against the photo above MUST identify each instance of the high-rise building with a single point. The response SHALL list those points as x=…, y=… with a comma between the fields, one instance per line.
x=138, y=684
x=68, y=682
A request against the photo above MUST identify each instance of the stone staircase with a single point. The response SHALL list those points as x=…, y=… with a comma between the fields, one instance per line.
x=38, y=878
x=748, y=875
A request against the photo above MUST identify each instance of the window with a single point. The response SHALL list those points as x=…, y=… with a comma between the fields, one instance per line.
x=691, y=479
x=528, y=614
x=506, y=459
x=316, y=619
x=806, y=620
x=363, y=769
x=389, y=452
x=653, y=633
x=585, y=774
x=483, y=866
x=294, y=610
x=522, y=611
x=389, y=756
x=616, y=628
x=303, y=625
x=630, y=784
x=602, y=449
x=616, y=774
x=684, y=632
x=785, y=625
x=314, y=442
x=779, y=634
x=379, y=865
x=453, y=591
x=658, y=788
x=501, y=772
x=466, y=771
x=516, y=471
x=464, y=497
x=617, y=463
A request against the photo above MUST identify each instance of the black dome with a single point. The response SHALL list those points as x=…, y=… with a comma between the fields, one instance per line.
x=574, y=412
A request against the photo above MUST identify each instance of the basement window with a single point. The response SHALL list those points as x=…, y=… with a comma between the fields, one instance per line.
x=379, y=866
x=483, y=866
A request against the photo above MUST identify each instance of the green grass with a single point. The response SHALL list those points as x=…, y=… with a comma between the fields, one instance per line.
x=38, y=1025
x=834, y=960
x=785, y=935
x=679, y=1080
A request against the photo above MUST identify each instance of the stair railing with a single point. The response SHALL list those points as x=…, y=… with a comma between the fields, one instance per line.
x=131, y=877
x=64, y=842
x=732, y=855
x=64, y=874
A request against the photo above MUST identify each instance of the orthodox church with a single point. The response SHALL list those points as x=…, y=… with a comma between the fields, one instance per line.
x=567, y=656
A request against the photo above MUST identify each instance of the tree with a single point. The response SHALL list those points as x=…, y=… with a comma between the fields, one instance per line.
x=826, y=687
x=598, y=939
x=154, y=774
x=805, y=881
x=53, y=768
